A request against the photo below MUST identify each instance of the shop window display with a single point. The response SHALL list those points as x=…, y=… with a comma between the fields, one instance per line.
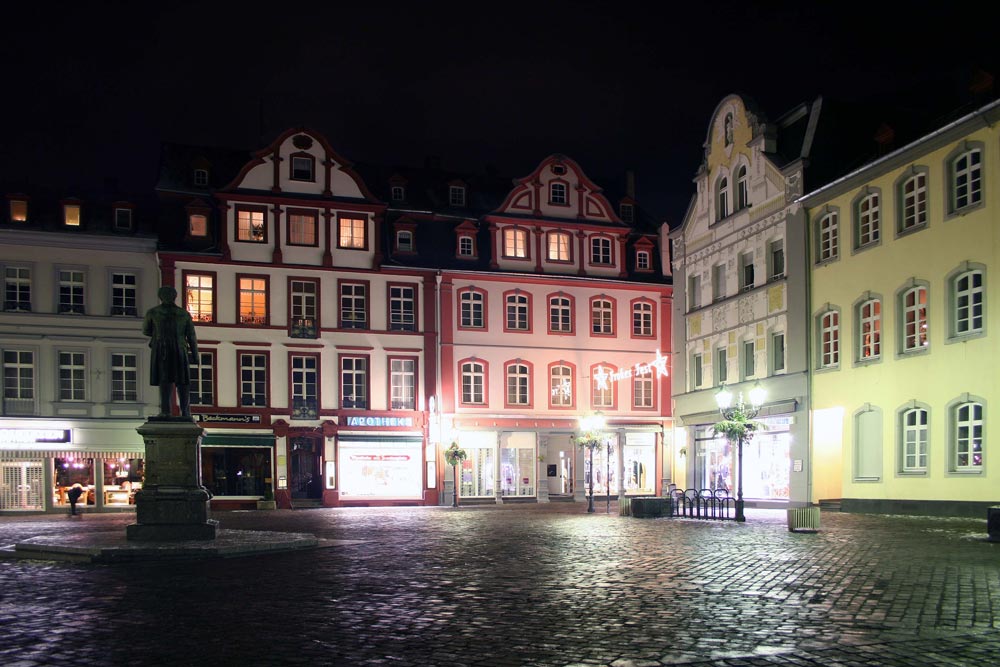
x=236, y=471
x=517, y=471
x=122, y=478
x=74, y=471
x=477, y=473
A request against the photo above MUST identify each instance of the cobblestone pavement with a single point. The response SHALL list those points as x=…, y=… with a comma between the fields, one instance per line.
x=534, y=585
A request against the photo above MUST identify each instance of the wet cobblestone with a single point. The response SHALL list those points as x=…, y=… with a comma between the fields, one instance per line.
x=536, y=585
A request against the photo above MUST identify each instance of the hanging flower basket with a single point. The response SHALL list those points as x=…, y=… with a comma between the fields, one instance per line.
x=588, y=441
x=737, y=428
x=454, y=455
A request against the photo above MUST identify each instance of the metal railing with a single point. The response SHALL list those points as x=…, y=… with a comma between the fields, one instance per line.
x=715, y=504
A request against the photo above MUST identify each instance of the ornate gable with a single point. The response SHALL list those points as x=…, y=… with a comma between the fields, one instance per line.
x=558, y=188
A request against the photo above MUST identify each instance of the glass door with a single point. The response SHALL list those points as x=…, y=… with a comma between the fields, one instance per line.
x=21, y=485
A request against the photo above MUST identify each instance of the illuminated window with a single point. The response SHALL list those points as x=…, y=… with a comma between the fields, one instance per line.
x=17, y=289
x=250, y=225
x=253, y=301
x=600, y=251
x=302, y=228
x=515, y=243
x=915, y=435
x=71, y=215
x=203, y=379
x=253, y=379
x=124, y=377
x=352, y=233
x=560, y=314
x=353, y=306
x=518, y=384
x=557, y=194
x=354, y=382
x=472, y=308
x=559, y=247
x=18, y=210
x=72, y=376
x=914, y=309
x=199, y=296
x=868, y=220
x=72, y=288
x=197, y=225
x=967, y=436
x=473, y=383
x=869, y=319
x=828, y=237
x=124, y=294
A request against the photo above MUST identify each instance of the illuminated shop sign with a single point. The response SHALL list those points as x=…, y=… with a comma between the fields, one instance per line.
x=33, y=435
x=228, y=419
x=368, y=471
x=380, y=421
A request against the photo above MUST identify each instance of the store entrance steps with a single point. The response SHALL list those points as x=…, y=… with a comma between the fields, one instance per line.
x=306, y=503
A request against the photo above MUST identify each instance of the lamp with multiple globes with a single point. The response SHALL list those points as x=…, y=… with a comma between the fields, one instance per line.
x=590, y=437
x=738, y=426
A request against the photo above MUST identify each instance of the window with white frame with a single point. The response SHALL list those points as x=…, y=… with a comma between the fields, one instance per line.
x=203, y=378
x=602, y=317
x=829, y=241
x=515, y=243
x=201, y=177
x=914, y=311
x=642, y=319
x=398, y=193
x=517, y=312
x=305, y=386
x=869, y=318
x=72, y=376
x=914, y=439
x=253, y=301
x=199, y=296
x=776, y=259
x=124, y=294
x=746, y=271
x=600, y=250
x=829, y=332
x=627, y=213
x=404, y=240
x=722, y=364
x=697, y=371
x=718, y=282
x=354, y=382
x=557, y=193
x=742, y=188
x=561, y=386
x=123, y=219
x=18, y=382
x=722, y=199
x=403, y=384
x=966, y=179
x=302, y=228
x=472, y=309
x=749, y=359
x=559, y=247
x=868, y=443
x=518, y=382
x=967, y=436
x=402, y=308
x=250, y=225
x=466, y=247
x=72, y=289
x=560, y=314
x=124, y=377
x=303, y=302
x=778, y=352
x=302, y=168
x=253, y=379
x=642, y=391
x=352, y=234
x=473, y=383
x=642, y=262
x=602, y=392
x=456, y=195
x=353, y=306
x=868, y=220
x=968, y=303
x=17, y=289
x=694, y=291
x=914, y=209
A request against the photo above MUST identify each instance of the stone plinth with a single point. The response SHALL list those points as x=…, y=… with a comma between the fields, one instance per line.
x=172, y=504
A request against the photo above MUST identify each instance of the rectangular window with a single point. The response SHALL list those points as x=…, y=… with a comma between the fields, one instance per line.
x=515, y=243
x=600, y=251
x=914, y=201
x=627, y=213
x=642, y=391
x=828, y=237
x=694, y=292
x=473, y=383
x=123, y=219
x=72, y=376
x=718, y=282
x=642, y=261
x=517, y=313
x=915, y=440
x=915, y=319
x=199, y=296
x=403, y=383
x=18, y=382
x=253, y=301
x=870, y=330
x=868, y=220
x=746, y=271
x=749, y=359
x=465, y=246
x=778, y=352
x=250, y=225
x=353, y=306
x=557, y=193
x=302, y=298
x=71, y=215
x=456, y=195
x=17, y=289
x=398, y=193
x=352, y=234
x=404, y=240
x=124, y=296
x=402, y=308
x=472, y=309
x=968, y=436
x=601, y=318
x=197, y=225
x=72, y=287
x=253, y=379
x=602, y=394
x=722, y=364
x=302, y=228
x=561, y=386
x=203, y=379
x=830, y=339
x=18, y=210
x=968, y=298
x=560, y=315
x=696, y=371
x=518, y=381
x=124, y=377
x=776, y=265
x=967, y=180
x=354, y=382
x=302, y=168
x=559, y=246
x=642, y=319
x=305, y=386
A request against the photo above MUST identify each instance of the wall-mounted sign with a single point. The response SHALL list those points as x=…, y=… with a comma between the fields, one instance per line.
x=659, y=364
x=379, y=422
x=228, y=419
x=33, y=435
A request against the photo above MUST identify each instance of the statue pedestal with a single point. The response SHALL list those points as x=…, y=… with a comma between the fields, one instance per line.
x=172, y=504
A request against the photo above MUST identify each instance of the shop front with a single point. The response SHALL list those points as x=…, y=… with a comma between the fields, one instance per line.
x=41, y=460
x=237, y=467
x=767, y=461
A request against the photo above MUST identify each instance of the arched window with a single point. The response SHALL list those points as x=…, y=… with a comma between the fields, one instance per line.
x=722, y=199
x=742, y=188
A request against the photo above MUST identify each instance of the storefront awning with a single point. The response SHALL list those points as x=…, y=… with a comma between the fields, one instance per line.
x=18, y=454
x=235, y=440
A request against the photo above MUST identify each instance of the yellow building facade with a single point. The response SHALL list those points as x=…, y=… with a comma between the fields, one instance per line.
x=905, y=318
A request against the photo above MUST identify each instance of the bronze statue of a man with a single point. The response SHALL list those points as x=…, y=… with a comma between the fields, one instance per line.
x=173, y=345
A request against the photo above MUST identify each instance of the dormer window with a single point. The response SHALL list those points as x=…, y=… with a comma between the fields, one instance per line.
x=404, y=240
x=558, y=169
x=201, y=177
x=197, y=225
x=642, y=260
x=397, y=193
x=123, y=220
x=466, y=246
x=557, y=194
x=302, y=168
x=456, y=195
x=71, y=215
x=18, y=210
x=627, y=213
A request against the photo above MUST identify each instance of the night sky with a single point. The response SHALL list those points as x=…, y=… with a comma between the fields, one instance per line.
x=91, y=93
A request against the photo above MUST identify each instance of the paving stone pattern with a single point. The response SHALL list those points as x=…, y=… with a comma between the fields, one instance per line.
x=530, y=585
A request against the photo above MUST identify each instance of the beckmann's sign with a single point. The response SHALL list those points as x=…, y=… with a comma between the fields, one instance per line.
x=228, y=419
x=380, y=421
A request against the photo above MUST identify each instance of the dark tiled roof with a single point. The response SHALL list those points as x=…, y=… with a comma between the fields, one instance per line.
x=179, y=161
x=97, y=210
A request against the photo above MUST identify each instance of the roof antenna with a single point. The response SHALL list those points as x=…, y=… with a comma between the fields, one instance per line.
x=260, y=121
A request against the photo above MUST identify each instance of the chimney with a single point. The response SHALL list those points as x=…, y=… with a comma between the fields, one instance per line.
x=432, y=162
x=884, y=136
x=981, y=85
x=630, y=183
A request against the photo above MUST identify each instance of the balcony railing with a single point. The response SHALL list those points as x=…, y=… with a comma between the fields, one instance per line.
x=305, y=408
x=303, y=327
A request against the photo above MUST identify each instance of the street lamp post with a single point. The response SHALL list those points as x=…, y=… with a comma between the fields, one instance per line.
x=590, y=438
x=454, y=456
x=738, y=426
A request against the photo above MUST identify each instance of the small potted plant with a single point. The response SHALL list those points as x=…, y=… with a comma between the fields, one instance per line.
x=268, y=503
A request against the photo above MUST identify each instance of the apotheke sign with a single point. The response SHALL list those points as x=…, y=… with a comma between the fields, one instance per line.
x=380, y=422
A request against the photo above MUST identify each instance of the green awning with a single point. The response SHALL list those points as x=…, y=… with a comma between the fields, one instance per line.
x=231, y=440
